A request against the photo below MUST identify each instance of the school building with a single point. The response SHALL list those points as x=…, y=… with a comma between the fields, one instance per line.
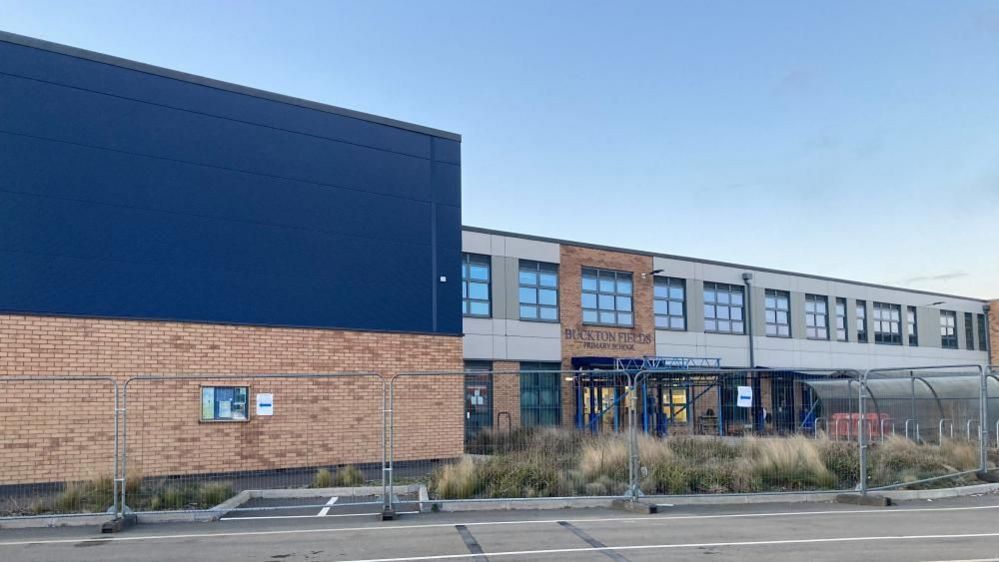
x=158, y=223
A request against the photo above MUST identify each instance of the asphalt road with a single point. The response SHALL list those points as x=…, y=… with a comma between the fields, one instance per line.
x=960, y=529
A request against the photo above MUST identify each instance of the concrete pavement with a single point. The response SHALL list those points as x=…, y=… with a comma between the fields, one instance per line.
x=957, y=529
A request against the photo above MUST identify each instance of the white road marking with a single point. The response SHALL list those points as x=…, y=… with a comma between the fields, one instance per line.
x=685, y=545
x=312, y=516
x=404, y=527
x=329, y=504
x=971, y=560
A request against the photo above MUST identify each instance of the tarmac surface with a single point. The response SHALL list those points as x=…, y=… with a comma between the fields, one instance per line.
x=953, y=529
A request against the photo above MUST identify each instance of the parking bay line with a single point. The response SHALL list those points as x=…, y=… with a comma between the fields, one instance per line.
x=251, y=518
x=324, y=511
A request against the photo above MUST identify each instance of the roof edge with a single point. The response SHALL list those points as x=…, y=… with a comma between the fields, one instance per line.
x=26, y=41
x=482, y=230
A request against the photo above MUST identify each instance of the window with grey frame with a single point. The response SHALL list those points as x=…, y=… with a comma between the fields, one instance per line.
x=670, y=302
x=777, y=310
x=861, y=310
x=538, y=291
x=723, y=308
x=910, y=320
x=476, y=278
x=841, y=332
x=816, y=317
x=606, y=297
x=969, y=330
x=540, y=394
x=982, y=336
x=948, y=329
x=887, y=323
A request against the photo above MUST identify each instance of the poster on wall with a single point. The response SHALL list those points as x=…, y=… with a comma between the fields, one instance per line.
x=745, y=397
x=265, y=404
x=207, y=403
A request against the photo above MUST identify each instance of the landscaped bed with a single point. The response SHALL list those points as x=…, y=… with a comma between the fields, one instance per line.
x=555, y=463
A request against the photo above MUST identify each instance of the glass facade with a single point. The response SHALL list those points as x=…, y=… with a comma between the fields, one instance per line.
x=538, y=291
x=841, y=332
x=887, y=323
x=777, y=309
x=540, y=394
x=816, y=317
x=670, y=301
x=948, y=329
x=475, y=285
x=606, y=297
x=723, y=308
x=861, y=309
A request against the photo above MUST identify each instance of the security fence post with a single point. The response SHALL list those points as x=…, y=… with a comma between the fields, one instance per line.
x=632, y=446
x=861, y=437
x=388, y=504
x=119, y=475
x=983, y=417
x=386, y=500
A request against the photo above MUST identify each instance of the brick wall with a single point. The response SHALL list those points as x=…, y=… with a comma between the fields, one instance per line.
x=636, y=341
x=64, y=430
x=506, y=394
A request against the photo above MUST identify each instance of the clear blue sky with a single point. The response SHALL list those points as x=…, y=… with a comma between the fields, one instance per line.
x=854, y=139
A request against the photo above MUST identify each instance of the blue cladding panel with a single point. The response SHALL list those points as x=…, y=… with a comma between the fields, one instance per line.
x=130, y=195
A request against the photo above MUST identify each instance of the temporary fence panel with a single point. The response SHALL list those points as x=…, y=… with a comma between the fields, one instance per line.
x=761, y=437
x=192, y=442
x=506, y=435
x=57, y=445
x=925, y=425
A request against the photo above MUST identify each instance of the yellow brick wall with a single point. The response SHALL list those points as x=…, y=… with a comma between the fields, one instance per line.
x=61, y=431
x=506, y=394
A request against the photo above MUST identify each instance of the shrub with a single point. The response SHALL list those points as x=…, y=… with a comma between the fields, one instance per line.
x=348, y=475
x=456, y=481
x=322, y=479
x=842, y=459
x=781, y=464
x=86, y=496
x=604, y=458
x=213, y=493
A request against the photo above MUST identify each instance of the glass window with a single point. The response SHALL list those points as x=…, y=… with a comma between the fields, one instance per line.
x=606, y=297
x=778, y=313
x=538, y=291
x=675, y=404
x=841, y=333
x=540, y=394
x=887, y=323
x=224, y=403
x=982, y=336
x=475, y=283
x=723, y=308
x=969, y=330
x=670, y=301
x=862, y=321
x=910, y=319
x=478, y=397
x=816, y=317
x=948, y=329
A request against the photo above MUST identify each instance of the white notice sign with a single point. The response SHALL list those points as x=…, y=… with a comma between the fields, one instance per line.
x=745, y=397
x=265, y=404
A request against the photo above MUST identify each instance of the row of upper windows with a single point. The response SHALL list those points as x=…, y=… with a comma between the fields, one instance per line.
x=606, y=299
